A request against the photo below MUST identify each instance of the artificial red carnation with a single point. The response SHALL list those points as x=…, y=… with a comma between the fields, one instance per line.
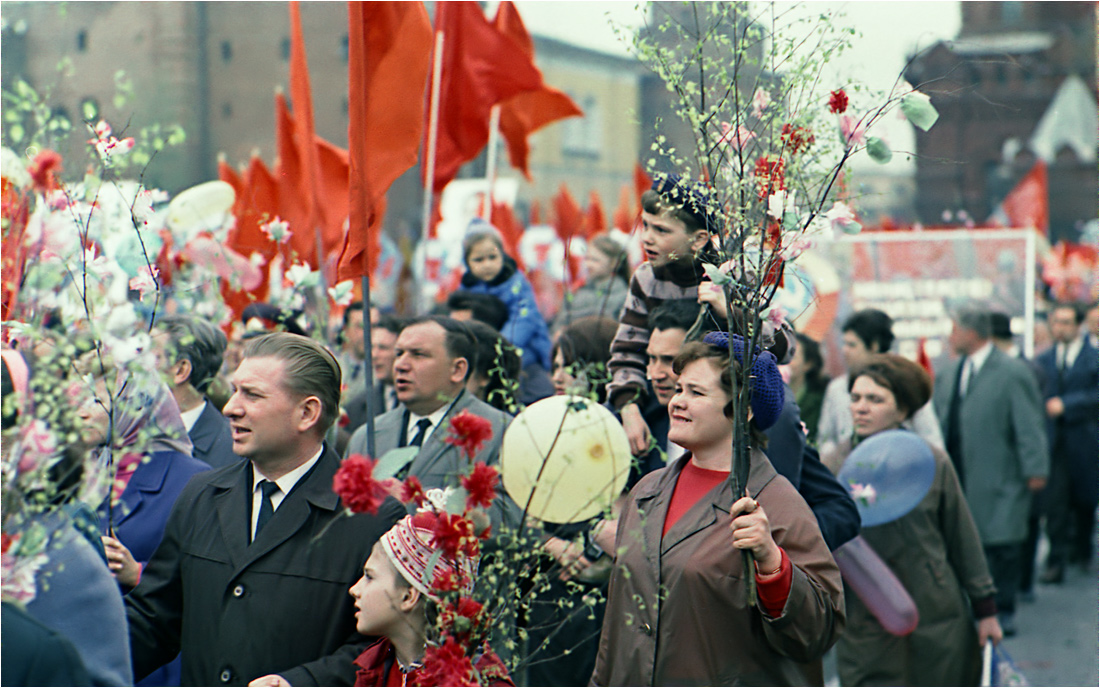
x=355, y=484
x=42, y=170
x=769, y=175
x=412, y=491
x=838, y=101
x=453, y=534
x=446, y=665
x=448, y=580
x=461, y=619
x=797, y=139
x=481, y=485
x=6, y=541
x=468, y=432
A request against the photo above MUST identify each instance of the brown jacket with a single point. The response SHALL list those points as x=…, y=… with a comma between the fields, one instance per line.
x=698, y=630
x=936, y=553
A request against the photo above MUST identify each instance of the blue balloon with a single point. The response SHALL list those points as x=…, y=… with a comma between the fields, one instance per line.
x=888, y=474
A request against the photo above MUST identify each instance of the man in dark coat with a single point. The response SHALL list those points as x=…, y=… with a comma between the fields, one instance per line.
x=189, y=353
x=251, y=579
x=1072, y=408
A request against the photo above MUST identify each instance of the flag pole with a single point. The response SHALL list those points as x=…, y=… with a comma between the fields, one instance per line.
x=433, y=133
x=491, y=164
x=368, y=361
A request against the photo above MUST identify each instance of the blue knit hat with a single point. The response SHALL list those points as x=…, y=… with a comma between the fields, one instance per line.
x=766, y=398
x=696, y=198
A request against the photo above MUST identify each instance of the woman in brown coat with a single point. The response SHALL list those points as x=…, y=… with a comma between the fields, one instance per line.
x=676, y=611
x=934, y=550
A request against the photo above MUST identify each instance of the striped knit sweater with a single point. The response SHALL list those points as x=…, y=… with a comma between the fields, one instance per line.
x=649, y=288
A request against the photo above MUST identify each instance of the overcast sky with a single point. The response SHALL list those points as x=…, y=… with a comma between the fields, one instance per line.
x=887, y=33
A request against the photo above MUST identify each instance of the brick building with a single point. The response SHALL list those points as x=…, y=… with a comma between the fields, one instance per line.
x=993, y=85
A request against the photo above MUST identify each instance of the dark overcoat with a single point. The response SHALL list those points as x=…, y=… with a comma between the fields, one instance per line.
x=1074, y=435
x=238, y=611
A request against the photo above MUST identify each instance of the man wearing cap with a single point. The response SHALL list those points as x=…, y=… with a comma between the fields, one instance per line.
x=433, y=358
x=251, y=576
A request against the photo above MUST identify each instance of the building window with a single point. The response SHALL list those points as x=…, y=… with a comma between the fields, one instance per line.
x=284, y=49
x=227, y=110
x=583, y=136
x=82, y=40
x=344, y=48
x=227, y=51
x=1012, y=14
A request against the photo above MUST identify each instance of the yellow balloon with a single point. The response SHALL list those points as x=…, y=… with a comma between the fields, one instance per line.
x=201, y=207
x=567, y=456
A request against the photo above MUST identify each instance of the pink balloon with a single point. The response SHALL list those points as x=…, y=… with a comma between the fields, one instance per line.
x=876, y=585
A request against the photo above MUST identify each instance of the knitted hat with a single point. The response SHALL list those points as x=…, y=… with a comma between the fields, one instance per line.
x=766, y=398
x=695, y=198
x=409, y=548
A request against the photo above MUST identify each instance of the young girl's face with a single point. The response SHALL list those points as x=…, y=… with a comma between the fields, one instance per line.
x=485, y=260
x=377, y=595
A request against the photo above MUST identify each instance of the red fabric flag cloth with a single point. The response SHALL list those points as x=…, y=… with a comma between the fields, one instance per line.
x=256, y=205
x=527, y=112
x=1027, y=205
x=332, y=199
x=923, y=359
x=389, y=53
x=595, y=221
x=511, y=232
x=14, y=252
x=294, y=200
x=480, y=68
x=301, y=98
x=623, y=218
x=568, y=223
x=536, y=213
x=642, y=183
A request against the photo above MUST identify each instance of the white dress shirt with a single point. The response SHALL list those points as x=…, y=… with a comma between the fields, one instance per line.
x=285, y=483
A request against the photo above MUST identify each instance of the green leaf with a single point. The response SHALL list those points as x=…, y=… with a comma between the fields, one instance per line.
x=393, y=461
x=429, y=571
x=878, y=150
x=456, y=502
x=919, y=110
x=716, y=276
x=88, y=109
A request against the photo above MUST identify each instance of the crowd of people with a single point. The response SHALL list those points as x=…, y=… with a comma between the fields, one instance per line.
x=218, y=553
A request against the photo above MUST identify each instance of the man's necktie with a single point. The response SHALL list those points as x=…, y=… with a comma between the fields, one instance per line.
x=422, y=426
x=267, y=510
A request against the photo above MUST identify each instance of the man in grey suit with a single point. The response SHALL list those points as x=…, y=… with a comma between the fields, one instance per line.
x=250, y=582
x=992, y=416
x=189, y=353
x=433, y=357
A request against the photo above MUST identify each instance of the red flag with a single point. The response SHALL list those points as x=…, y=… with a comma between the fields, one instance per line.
x=389, y=48
x=536, y=213
x=1027, y=205
x=332, y=199
x=642, y=183
x=527, y=112
x=923, y=359
x=256, y=205
x=304, y=138
x=624, y=213
x=481, y=68
x=511, y=232
x=568, y=223
x=294, y=201
x=595, y=221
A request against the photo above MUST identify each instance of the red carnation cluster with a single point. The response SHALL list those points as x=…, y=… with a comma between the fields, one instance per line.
x=481, y=486
x=447, y=580
x=355, y=484
x=447, y=665
x=468, y=432
x=797, y=139
x=462, y=619
x=838, y=101
x=454, y=534
x=769, y=175
x=412, y=491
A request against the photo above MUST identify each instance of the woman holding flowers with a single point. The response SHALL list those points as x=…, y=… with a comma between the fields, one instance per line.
x=934, y=550
x=677, y=610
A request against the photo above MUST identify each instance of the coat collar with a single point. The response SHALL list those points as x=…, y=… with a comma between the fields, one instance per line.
x=205, y=430
x=147, y=479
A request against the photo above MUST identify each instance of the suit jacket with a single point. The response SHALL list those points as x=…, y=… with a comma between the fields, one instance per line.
x=279, y=605
x=1003, y=441
x=1073, y=435
x=211, y=438
x=143, y=509
x=439, y=465
x=356, y=406
x=35, y=655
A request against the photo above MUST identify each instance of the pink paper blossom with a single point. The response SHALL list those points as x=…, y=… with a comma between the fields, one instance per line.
x=277, y=230
x=145, y=281
x=852, y=131
x=38, y=446
x=107, y=145
x=760, y=101
x=736, y=139
x=863, y=493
